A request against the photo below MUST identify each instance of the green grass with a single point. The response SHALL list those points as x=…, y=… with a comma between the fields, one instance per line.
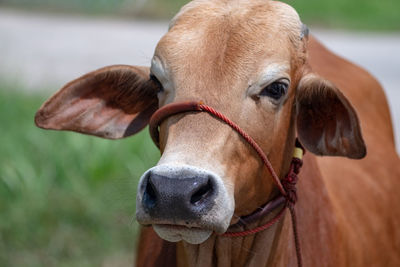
x=354, y=14
x=65, y=199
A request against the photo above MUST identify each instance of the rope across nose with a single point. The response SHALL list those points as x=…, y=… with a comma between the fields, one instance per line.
x=167, y=111
x=287, y=186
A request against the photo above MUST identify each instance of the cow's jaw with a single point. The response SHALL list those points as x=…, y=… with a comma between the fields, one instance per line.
x=172, y=217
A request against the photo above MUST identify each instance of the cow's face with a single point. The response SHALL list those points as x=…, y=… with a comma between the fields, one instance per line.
x=246, y=62
x=247, y=59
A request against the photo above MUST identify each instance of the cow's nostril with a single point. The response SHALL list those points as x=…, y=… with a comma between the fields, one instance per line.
x=149, y=196
x=202, y=193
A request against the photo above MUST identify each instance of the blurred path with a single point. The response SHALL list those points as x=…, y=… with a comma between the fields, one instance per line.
x=43, y=52
x=46, y=51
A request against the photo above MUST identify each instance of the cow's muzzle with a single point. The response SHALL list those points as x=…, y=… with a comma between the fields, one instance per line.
x=183, y=202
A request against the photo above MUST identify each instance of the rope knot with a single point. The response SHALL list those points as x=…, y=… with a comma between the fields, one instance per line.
x=290, y=181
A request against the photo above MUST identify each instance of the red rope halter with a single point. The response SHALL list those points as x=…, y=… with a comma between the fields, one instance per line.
x=287, y=187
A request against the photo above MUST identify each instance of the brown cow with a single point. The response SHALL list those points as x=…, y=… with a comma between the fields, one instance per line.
x=251, y=60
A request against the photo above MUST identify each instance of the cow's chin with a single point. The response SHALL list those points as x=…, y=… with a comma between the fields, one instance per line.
x=174, y=233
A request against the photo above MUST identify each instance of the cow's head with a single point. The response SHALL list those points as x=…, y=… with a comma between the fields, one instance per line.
x=248, y=59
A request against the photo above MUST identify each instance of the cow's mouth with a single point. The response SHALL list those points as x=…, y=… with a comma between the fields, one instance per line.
x=175, y=233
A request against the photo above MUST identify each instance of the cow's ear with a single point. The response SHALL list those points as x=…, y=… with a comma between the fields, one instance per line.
x=327, y=124
x=112, y=102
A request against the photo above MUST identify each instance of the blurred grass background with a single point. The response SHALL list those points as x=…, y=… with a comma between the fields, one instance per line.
x=68, y=199
x=65, y=199
x=354, y=14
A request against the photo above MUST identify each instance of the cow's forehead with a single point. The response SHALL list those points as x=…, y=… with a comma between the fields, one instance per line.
x=202, y=10
x=216, y=38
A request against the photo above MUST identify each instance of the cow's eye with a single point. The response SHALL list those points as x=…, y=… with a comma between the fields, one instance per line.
x=154, y=79
x=275, y=90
